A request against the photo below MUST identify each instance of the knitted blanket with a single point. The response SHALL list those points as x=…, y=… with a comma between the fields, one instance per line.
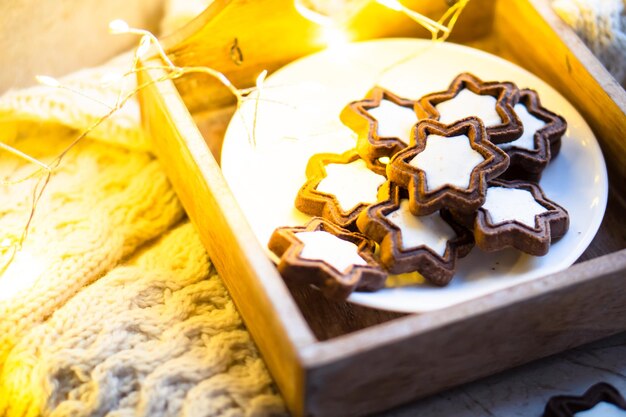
x=112, y=306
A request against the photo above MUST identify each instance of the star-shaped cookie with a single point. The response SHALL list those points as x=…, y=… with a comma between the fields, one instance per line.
x=383, y=122
x=448, y=166
x=338, y=187
x=540, y=142
x=517, y=214
x=427, y=244
x=600, y=394
x=333, y=259
x=468, y=96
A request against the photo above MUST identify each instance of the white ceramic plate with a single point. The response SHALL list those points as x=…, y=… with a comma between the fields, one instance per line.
x=297, y=116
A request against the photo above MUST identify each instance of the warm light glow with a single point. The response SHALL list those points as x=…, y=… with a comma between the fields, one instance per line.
x=20, y=275
x=47, y=81
x=392, y=4
x=332, y=33
x=329, y=12
x=6, y=243
x=429, y=24
x=118, y=26
x=334, y=37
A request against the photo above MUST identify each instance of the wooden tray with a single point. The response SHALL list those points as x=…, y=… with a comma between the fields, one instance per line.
x=338, y=359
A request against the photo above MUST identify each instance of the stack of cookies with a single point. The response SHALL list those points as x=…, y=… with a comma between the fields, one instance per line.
x=427, y=180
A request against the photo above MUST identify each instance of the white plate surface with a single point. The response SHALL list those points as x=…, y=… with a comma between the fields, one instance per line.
x=297, y=116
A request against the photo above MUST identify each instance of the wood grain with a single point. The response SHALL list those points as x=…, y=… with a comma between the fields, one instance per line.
x=284, y=35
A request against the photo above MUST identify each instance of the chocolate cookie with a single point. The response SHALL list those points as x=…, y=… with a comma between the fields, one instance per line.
x=338, y=187
x=383, y=122
x=448, y=166
x=468, y=95
x=540, y=142
x=427, y=244
x=333, y=259
x=570, y=405
x=517, y=214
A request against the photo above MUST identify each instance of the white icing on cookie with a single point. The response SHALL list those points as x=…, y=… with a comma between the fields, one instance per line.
x=505, y=204
x=602, y=409
x=466, y=103
x=431, y=230
x=351, y=183
x=394, y=120
x=324, y=246
x=531, y=125
x=447, y=161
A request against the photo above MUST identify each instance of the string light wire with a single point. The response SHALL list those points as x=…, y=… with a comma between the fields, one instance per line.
x=440, y=31
x=11, y=246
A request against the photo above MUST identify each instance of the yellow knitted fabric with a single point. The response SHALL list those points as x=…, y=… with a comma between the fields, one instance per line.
x=111, y=308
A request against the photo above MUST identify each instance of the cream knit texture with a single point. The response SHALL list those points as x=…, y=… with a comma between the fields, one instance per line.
x=112, y=307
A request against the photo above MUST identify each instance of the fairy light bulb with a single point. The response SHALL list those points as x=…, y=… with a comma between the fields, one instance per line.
x=24, y=270
x=332, y=17
x=335, y=37
x=118, y=26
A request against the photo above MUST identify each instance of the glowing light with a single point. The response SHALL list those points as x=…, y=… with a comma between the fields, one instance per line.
x=429, y=24
x=6, y=243
x=47, y=81
x=392, y=4
x=325, y=12
x=334, y=37
x=20, y=275
x=118, y=26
